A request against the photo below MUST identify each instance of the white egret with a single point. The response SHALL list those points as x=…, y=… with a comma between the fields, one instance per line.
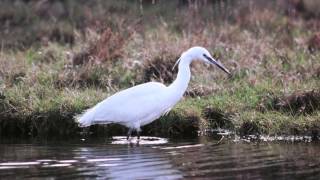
x=144, y=103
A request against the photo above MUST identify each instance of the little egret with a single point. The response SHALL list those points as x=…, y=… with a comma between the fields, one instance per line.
x=144, y=103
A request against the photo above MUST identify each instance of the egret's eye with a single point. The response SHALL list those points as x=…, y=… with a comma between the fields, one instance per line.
x=207, y=57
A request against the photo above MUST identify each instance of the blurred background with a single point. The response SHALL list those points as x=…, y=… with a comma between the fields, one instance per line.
x=59, y=57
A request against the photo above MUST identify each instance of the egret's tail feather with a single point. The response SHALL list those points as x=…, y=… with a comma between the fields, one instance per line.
x=86, y=118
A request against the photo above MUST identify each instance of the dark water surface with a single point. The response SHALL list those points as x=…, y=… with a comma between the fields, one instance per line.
x=195, y=159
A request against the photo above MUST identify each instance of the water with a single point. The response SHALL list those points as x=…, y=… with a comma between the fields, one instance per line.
x=159, y=159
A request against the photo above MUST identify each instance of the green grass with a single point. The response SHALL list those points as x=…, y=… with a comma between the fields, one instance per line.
x=43, y=85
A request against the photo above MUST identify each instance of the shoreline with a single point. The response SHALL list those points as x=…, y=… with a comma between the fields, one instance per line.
x=176, y=124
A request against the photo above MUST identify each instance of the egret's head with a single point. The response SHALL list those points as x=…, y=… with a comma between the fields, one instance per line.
x=200, y=53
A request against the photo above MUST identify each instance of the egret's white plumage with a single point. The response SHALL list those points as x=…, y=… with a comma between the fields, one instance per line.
x=142, y=104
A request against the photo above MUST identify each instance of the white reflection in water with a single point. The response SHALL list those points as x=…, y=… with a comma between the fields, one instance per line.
x=45, y=160
x=68, y=161
x=137, y=166
x=144, y=140
x=129, y=163
x=57, y=165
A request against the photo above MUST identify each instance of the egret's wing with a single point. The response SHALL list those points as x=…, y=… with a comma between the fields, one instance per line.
x=124, y=105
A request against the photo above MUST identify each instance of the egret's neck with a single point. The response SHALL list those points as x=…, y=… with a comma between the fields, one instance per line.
x=181, y=83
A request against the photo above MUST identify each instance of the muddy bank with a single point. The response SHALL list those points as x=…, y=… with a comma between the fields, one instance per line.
x=55, y=124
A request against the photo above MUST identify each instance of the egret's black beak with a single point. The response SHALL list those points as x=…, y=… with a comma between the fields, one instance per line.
x=217, y=63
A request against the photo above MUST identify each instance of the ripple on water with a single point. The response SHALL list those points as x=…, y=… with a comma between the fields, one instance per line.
x=19, y=163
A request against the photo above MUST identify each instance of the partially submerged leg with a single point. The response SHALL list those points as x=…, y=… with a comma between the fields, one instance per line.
x=129, y=133
x=138, y=135
x=85, y=133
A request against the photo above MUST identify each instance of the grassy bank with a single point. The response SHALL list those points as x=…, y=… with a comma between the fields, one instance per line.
x=76, y=55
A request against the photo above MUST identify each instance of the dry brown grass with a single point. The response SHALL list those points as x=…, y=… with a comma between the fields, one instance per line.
x=101, y=47
x=160, y=68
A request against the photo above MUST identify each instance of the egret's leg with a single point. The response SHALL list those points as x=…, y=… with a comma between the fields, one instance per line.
x=138, y=134
x=137, y=129
x=129, y=133
x=85, y=131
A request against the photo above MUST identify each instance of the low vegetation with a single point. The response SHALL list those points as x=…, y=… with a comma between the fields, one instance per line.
x=66, y=56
